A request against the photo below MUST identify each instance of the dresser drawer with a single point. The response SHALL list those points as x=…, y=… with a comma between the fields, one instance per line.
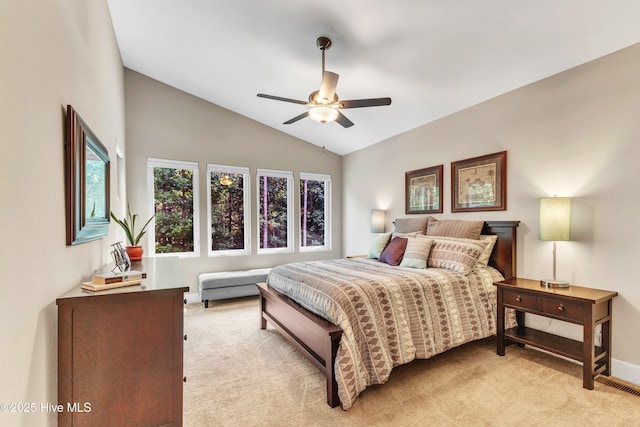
x=563, y=309
x=518, y=299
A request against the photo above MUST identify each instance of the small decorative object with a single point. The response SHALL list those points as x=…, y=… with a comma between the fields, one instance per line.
x=120, y=257
x=377, y=220
x=128, y=224
x=479, y=183
x=423, y=190
x=555, y=225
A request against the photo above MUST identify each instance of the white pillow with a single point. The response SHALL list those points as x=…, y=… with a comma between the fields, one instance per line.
x=379, y=241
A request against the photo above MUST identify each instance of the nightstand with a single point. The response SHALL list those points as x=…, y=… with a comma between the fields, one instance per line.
x=583, y=306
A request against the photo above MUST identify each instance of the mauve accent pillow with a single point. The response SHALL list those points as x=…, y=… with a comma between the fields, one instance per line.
x=394, y=251
x=455, y=228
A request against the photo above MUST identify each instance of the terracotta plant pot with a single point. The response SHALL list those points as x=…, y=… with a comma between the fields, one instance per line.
x=134, y=252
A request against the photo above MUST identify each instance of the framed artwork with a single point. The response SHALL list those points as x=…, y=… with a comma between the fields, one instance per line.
x=423, y=191
x=86, y=181
x=479, y=183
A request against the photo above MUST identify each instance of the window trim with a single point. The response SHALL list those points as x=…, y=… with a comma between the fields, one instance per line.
x=327, y=212
x=290, y=218
x=246, y=177
x=151, y=230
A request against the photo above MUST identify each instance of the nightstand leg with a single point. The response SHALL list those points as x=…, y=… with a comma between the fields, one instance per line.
x=588, y=350
x=500, y=324
x=606, y=342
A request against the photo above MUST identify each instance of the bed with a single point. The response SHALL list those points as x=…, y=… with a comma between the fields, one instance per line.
x=418, y=312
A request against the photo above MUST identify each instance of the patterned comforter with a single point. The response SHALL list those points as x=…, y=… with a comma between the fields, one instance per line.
x=390, y=315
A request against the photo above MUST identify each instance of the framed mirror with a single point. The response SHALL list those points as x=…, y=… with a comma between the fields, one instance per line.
x=87, y=182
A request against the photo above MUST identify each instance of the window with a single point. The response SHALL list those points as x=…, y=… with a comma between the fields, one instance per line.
x=174, y=199
x=274, y=211
x=315, y=205
x=228, y=207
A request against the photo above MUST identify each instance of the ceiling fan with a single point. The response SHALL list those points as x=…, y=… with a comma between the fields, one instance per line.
x=324, y=103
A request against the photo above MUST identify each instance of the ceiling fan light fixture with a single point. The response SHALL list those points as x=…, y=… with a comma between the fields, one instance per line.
x=323, y=114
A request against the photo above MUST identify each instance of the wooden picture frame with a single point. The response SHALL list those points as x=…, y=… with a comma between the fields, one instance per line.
x=423, y=190
x=479, y=183
x=87, y=178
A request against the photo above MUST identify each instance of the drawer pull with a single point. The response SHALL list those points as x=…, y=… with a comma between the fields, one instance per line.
x=561, y=307
x=518, y=299
x=184, y=379
x=185, y=337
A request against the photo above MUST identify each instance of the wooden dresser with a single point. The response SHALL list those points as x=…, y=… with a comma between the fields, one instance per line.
x=120, y=351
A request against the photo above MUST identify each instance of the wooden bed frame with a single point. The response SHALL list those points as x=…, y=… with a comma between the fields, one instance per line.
x=318, y=339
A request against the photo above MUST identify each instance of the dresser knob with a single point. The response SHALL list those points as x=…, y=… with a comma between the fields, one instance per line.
x=185, y=337
x=184, y=379
x=518, y=298
x=184, y=301
x=561, y=307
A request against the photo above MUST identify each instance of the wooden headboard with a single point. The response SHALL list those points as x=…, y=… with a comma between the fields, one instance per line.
x=503, y=257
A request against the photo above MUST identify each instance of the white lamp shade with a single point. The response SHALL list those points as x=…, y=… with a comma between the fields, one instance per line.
x=323, y=114
x=377, y=220
x=555, y=218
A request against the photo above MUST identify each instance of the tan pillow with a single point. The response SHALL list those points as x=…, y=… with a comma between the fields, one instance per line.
x=408, y=225
x=455, y=254
x=416, y=253
x=455, y=228
x=483, y=259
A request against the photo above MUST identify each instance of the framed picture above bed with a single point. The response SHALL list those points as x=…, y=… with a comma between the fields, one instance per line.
x=479, y=183
x=423, y=190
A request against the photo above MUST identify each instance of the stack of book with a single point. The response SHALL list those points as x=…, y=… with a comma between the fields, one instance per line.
x=114, y=280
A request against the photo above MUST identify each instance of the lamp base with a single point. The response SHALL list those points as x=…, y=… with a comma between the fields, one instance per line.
x=554, y=283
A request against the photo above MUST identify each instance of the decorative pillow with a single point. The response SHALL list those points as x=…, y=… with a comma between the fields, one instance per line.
x=455, y=228
x=378, y=244
x=394, y=251
x=406, y=235
x=454, y=254
x=407, y=225
x=483, y=259
x=416, y=252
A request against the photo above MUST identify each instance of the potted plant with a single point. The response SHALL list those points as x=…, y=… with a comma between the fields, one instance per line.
x=128, y=224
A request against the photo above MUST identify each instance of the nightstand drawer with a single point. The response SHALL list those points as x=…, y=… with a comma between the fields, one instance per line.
x=564, y=309
x=518, y=299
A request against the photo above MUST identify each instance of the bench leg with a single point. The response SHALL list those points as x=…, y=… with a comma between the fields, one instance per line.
x=206, y=303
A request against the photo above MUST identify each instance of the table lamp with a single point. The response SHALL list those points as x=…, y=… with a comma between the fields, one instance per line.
x=377, y=220
x=555, y=225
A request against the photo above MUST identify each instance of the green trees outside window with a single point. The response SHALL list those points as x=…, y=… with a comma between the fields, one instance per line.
x=273, y=199
x=312, y=213
x=174, y=210
x=227, y=211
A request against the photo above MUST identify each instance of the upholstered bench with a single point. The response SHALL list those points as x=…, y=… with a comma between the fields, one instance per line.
x=230, y=284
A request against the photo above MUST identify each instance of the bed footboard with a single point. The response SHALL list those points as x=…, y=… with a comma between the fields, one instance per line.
x=314, y=336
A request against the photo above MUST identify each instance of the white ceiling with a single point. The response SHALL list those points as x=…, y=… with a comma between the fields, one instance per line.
x=432, y=57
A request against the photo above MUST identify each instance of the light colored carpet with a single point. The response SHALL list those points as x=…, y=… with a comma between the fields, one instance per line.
x=239, y=375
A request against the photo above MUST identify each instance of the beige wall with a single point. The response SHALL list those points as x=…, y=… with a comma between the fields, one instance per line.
x=574, y=134
x=53, y=53
x=163, y=122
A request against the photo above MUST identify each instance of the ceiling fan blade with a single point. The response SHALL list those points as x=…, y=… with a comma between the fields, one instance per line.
x=279, y=98
x=373, y=102
x=327, y=87
x=343, y=121
x=296, y=118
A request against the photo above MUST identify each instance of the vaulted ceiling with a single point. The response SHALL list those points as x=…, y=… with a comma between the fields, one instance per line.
x=432, y=57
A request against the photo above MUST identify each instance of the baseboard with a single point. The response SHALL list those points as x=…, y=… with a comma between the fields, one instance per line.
x=192, y=297
x=625, y=371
